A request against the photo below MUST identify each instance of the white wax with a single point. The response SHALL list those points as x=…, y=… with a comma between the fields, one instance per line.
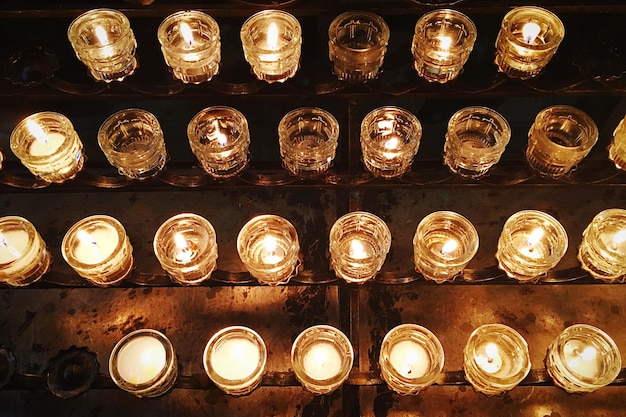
x=46, y=145
x=410, y=359
x=12, y=245
x=322, y=361
x=235, y=358
x=141, y=359
x=582, y=358
x=96, y=245
x=488, y=358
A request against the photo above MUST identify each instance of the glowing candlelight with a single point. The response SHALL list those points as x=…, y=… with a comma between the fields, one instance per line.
x=272, y=253
x=489, y=359
x=357, y=249
x=272, y=37
x=602, y=251
x=187, y=33
x=530, y=31
x=185, y=250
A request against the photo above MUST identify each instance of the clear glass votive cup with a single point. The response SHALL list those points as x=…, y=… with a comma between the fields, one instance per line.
x=99, y=250
x=559, y=139
x=103, y=40
x=390, y=138
x=308, y=141
x=132, y=141
x=359, y=243
x=190, y=42
x=143, y=363
x=322, y=357
x=617, y=147
x=475, y=141
x=272, y=41
x=24, y=258
x=442, y=43
x=602, y=251
x=219, y=138
x=527, y=41
x=357, y=42
x=186, y=247
x=495, y=359
x=443, y=245
x=47, y=144
x=234, y=359
x=582, y=359
x=411, y=358
x=531, y=243
x=268, y=247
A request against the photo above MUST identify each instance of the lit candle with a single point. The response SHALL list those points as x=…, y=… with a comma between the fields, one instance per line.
x=528, y=38
x=359, y=243
x=495, y=359
x=357, y=43
x=234, y=359
x=99, y=250
x=268, y=247
x=219, y=138
x=186, y=247
x=24, y=258
x=531, y=243
x=602, y=251
x=411, y=358
x=322, y=357
x=144, y=363
x=48, y=146
x=390, y=138
x=103, y=40
x=582, y=359
x=272, y=42
x=442, y=43
x=190, y=42
x=617, y=147
x=443, y=245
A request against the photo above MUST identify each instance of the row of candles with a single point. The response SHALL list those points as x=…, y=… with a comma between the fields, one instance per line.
x=98, y=249
x=272, y=40
x=583, y=358
x=133, y=142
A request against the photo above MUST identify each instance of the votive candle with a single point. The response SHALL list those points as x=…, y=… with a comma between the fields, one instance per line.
x=602, y=251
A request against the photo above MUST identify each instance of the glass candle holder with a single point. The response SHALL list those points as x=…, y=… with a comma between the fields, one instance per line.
x=308, y=140
x=531, y=243
x=219, y=138
x=190, y=42
x=132, y=141
x=234, y=359
x=582, y=359
x=48, y=146
x=186, y=248
x=99, y=250
x=390, y=137
x=495, y=359
x=527, y=41
x=322, y=357
x=24, y=258
x=411, y=358
x=272, y=40
x=559, y=139
x=617, y=147
x=442, y=44
x=602, y=251
x=443, y=245
x=475, y=141
x=103, y=40
x=357, y=45
x=144, y=363
x=359, y=243
x=268, y=247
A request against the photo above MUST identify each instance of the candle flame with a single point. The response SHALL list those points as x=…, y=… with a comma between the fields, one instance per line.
x=180, y=241
x=102, y=36
x=222, y=139
x=535, y=236
x=445, y=42
x=589, y=353
x=391, y=143
x=86, y=238
x=530, y=31
x=269, y=243
x=320, y=356
x=619, y=238
x=36, y=131
x=272, y=36
x=187, y=33
x=491, y=350
x=449, y=247
x=11, y=249
x=357, y=250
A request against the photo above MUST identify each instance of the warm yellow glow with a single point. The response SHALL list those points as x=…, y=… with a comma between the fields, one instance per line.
x=449, y=247
x=14, y=252
x=187, y=33
x=589, y=353
x=391, y=143
x=530, y=31
x=272, y=36
x=445, y=42
x=86, y=239
x=222, y=139
x=535, y=236
x=102, y=36
x=181, y=242
x=491, y=350
x=619, y=237
x=357, y=250
x=35, y=130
